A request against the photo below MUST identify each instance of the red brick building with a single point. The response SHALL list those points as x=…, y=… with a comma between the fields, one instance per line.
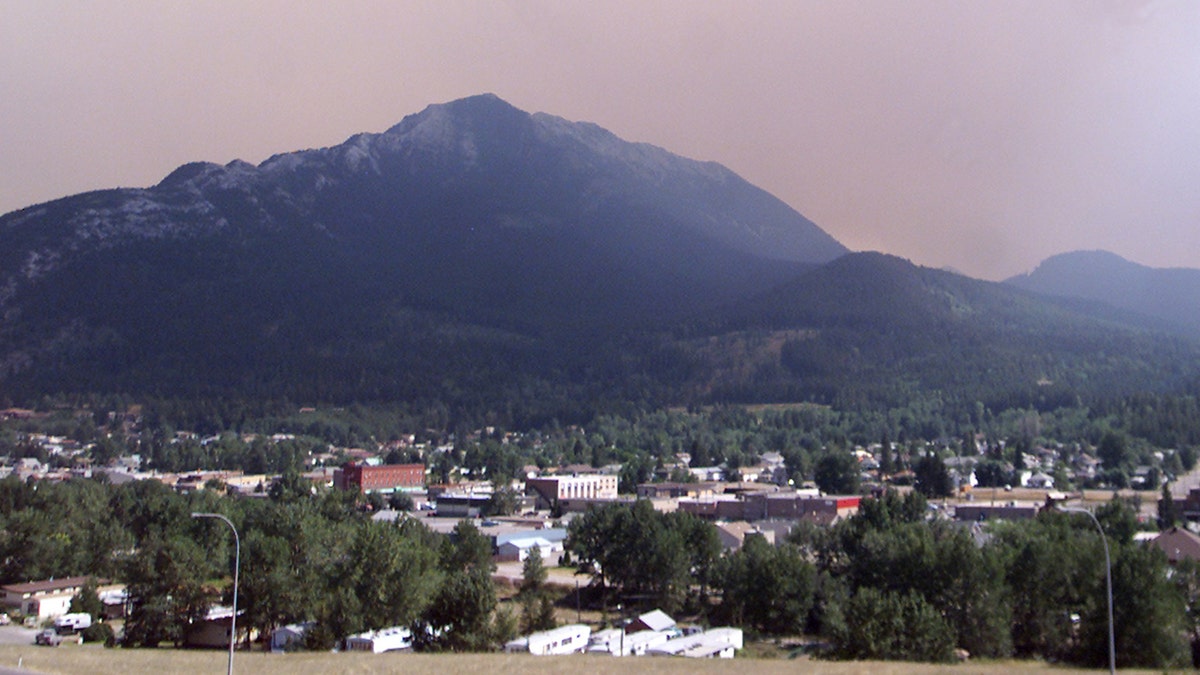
x=386, y=478
x=773, y=506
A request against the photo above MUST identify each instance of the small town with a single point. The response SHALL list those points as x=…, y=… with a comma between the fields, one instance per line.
x=534, y=523
x=535, y=337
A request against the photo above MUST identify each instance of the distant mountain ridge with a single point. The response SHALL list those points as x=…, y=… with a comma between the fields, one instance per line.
x=874, y=330
x=1167, y=297
x=478, y=257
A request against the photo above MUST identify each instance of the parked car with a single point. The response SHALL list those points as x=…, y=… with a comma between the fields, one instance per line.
x=48, y=637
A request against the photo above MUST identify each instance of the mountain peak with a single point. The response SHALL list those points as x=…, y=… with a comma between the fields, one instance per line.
x=1075, y=259
x=472, y=210
x=1071, y=273
x=472, y=115
x=1168, y=295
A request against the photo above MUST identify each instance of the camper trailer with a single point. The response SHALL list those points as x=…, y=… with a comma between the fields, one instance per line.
x=387, y=640
x=68, y=624
x=563, y=640
x=713, y=643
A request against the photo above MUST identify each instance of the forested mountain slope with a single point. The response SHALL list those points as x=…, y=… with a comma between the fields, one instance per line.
x=872, y=329
x=477, y=257
x=1168, y=298
x=469, y=237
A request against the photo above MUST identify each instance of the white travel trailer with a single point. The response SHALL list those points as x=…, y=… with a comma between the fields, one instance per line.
x=604, y=641
x=70, y=623
x=637, y=644
x=727, y=634
x=570, y=639
x=610, y=641
x=713, y=643
x=379, y=641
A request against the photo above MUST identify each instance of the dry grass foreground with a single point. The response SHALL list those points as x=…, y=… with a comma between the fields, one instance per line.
x=94, y=659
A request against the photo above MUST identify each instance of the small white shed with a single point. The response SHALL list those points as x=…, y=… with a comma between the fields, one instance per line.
x=290, y=636
x=518, y=549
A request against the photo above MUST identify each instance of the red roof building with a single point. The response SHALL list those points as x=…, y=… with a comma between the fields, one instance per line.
x=1178, y=544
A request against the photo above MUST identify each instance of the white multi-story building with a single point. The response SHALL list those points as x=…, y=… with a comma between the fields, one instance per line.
x=567, y=488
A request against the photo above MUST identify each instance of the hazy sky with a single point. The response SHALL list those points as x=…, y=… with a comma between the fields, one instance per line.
x=980, y=135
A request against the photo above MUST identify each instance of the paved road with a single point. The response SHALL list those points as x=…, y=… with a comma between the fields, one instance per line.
x=554, y=575
x=17, y=635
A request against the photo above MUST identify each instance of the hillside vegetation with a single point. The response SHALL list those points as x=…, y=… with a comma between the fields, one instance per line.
x=495, y=264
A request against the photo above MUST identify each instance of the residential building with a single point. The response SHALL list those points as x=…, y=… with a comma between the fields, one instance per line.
x=1178, y=544
x=213, y=630
x=734, y=533
x=1189, y=505
x=290, y=636
x=51, y=598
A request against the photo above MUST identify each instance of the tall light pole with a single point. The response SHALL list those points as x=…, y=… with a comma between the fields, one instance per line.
x=1112, y=643
x=237, y=563
x=621, y=610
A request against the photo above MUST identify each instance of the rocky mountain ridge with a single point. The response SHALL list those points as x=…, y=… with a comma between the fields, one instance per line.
x=475, y=255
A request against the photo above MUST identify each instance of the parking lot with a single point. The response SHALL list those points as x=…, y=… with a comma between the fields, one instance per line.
x=17, y=635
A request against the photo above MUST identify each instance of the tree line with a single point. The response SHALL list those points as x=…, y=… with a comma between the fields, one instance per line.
x=304, y=557
x=890, y=583
x=887, y=583
x=812, y=439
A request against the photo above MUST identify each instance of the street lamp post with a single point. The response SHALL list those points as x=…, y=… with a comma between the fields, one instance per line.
x=237, y=563
x=621, y=610
x=1112, y=643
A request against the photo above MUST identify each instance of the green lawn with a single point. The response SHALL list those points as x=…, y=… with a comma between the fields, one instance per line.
x=94, y=659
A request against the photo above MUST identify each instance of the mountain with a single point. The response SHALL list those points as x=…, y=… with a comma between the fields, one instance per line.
x=471, y=221
x=874, y=330
x=1165, y=298
x=478, y=258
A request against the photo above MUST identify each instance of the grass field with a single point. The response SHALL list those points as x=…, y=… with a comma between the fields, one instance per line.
x=94, y=659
